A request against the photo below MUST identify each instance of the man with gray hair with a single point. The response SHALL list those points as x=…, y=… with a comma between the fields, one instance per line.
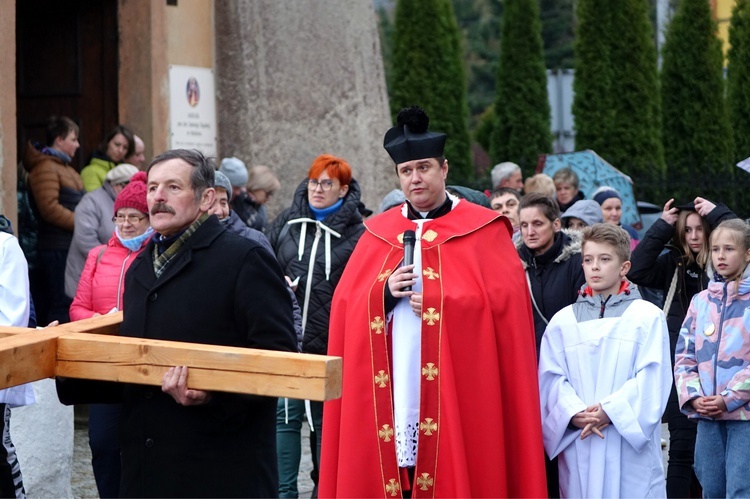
x=198, y=283
x=507, y=174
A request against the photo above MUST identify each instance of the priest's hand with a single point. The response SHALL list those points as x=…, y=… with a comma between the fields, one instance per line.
x=415, y=300
x=710, y=407
x=403, y=276
x=174, y=383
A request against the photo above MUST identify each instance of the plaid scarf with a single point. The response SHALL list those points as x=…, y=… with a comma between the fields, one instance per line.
x=161, y=261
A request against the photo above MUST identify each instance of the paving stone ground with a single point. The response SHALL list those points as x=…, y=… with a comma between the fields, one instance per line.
x=84, y=487
x=82, y=478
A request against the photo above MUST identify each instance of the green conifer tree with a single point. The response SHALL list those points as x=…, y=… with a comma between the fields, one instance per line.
x=522, y=115
x=616, y=85
x=635, y=145
x=592, y=103
x=738, y=78
x=696, y=134
x=428, y=71
x=738, y=98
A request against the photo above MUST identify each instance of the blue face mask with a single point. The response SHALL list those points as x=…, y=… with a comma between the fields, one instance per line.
x=134, y=243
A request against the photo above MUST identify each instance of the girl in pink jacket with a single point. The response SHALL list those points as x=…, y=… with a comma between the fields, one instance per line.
x=100, y=288
x=712, y=366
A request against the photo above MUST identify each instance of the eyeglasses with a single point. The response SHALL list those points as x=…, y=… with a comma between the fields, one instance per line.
x=132, y=219
x=313, y=184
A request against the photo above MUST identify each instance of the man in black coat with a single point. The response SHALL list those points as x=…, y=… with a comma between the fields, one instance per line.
x=196, y=282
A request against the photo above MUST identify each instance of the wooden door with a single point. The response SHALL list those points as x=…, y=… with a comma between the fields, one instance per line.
x=66, y=64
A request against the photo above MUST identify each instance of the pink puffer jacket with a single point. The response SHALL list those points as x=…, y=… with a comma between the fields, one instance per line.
x=102, y=282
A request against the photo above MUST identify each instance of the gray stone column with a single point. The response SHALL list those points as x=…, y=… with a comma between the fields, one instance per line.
x=300, y=78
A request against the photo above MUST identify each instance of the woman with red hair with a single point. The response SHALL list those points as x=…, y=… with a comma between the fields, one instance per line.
x=313, y=240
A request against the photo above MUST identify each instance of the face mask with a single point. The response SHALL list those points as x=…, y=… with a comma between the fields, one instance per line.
x=134, y=244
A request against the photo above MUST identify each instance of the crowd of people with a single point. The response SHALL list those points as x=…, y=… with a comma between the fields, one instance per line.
x=494, y=344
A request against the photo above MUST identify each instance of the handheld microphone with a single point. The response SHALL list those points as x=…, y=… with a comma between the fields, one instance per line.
x=410, y=238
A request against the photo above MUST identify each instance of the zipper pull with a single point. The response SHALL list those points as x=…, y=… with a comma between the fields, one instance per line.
x=601, y=311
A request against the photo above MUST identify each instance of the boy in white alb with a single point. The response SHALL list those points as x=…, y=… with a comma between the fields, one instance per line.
x=604, y=379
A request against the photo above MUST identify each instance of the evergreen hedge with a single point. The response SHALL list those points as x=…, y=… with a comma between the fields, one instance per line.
x=696, y=134
x=428, y=71
x=616, y=103
x=521, y=128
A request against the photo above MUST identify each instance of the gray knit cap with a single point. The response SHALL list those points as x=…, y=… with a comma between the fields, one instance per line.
x=235, y=170
x=221, y=181
x=393, y=198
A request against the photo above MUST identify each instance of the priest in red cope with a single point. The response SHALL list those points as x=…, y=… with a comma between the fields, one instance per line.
x=439, y=383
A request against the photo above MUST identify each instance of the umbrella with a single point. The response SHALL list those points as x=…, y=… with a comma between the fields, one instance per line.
x=594, y=172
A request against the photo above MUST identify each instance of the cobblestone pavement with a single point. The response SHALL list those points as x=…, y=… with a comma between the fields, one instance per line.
x=84, y=486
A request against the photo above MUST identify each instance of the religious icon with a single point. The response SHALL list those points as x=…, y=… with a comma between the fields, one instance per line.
x=193, y=92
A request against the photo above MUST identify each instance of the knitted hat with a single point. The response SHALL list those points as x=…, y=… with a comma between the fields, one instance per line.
x=604, y=193
x=394, y=198
x=121, y=174
x=134, y=194
x=410, y=138
x=469, y=194
x=235, y=170
x=222, y=182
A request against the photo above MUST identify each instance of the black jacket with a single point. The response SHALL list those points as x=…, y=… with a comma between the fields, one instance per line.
x=219, y=289
x=285, y=239
x=556, y=276
x=655, y=268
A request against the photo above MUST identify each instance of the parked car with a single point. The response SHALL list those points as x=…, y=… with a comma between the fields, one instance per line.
x=649, y=213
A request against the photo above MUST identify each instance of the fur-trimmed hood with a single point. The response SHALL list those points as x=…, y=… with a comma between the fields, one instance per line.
x=571, y=244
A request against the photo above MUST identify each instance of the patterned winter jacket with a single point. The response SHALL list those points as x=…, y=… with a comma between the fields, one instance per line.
x=713, y=351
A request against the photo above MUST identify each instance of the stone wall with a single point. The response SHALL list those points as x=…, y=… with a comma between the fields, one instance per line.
x=300, y=78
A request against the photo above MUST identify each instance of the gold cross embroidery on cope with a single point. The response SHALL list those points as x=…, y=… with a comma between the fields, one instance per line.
x=431, y=316
x=377, y=324
x=430, y=273
x=381, y=379
x=384, y=275
x=392, y=487
x=386, y=432
x=425, y=481
x=428, y=426
x=430, y=371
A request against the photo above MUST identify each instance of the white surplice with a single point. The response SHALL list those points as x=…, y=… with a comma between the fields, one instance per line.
x=622, y=363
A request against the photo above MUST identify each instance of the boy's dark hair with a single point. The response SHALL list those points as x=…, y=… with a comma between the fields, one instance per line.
x=546, y=205
x=505, y=190
x=59, y=126
x=611, y=234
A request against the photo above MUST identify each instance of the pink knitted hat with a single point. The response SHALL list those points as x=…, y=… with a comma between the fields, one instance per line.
x=134, y=194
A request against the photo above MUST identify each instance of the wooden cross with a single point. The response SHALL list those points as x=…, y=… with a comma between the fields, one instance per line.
x=71, y=350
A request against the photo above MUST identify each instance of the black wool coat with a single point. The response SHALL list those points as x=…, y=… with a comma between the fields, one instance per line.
x=654, y=267
x=219, y=289
x=556, y=276
x=286, y=239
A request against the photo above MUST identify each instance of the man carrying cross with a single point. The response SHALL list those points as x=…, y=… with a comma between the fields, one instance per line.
x=198, y=283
